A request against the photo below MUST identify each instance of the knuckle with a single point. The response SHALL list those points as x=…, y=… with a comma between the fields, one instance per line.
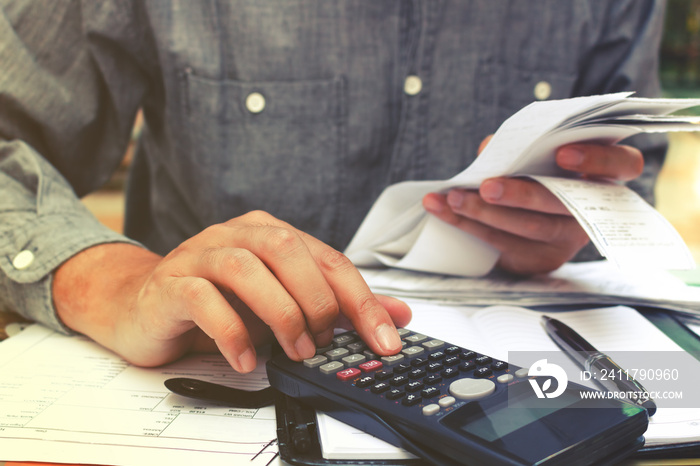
x=324, y=310
x=333, y=260
x=192, y=289
x=240, y=263
x=288, y=316
x=283, y=241
x=366, y=306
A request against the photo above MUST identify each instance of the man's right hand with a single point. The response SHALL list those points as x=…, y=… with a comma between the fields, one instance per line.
x=230, y=286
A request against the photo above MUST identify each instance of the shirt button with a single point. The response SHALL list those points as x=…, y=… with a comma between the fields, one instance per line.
x=255, y=102
x=412, y=85
x=542, y=90
x=23, y=260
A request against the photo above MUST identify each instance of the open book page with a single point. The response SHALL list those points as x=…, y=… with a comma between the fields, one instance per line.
x=67, y=399
x=504, y=331
x=525, y=145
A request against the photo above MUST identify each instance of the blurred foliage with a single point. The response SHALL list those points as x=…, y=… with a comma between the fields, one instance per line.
x=680, y=48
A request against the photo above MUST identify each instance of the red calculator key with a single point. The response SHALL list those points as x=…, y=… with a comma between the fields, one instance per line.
x=370, y=366
x=347, y=374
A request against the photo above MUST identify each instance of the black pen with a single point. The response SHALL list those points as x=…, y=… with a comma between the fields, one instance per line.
x=595, y=362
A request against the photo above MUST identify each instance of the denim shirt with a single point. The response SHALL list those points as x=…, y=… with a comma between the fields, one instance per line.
x=306, y=109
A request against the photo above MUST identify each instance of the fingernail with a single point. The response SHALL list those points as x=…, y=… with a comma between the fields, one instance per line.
x=491, y=190
x=304, y=346
x=570, y=157
x=455, y=199
x=247, y=360
x=431, y=204
x=387, y=338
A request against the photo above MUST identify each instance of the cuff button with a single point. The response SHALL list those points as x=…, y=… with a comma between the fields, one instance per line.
x=23, y=260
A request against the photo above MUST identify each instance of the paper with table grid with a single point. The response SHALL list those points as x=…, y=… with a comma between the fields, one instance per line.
x=397, y=232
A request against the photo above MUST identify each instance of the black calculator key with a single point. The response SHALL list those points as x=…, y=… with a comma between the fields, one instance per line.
x=433, y=379
x=483, y=360
x=399, y=380
x=452, y=350
x=417, y=373
x=414, y=386
x=467, y=355
x=450, y=372
x=381, y=387
x=411, y=399
x=499, y=365
x=394, y=394
x=436, y=356
x=430, y=392
x=467, y=366
x=419, y=362
x=383, y=375
x=482, y=372
x=365, y=381
x=401, y=368
x=451, y=361
x=434, y=367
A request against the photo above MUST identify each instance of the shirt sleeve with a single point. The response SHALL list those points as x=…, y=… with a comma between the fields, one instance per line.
x=69, y=93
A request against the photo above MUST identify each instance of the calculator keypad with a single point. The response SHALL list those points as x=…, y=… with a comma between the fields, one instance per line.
x=427, y=372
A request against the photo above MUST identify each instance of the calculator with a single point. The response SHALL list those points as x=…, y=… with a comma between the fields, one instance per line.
x=451, y=405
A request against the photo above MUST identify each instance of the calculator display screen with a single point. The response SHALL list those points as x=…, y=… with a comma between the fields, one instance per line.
x=495, y=422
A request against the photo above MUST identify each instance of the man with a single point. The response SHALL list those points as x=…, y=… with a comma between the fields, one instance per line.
x=270, y=128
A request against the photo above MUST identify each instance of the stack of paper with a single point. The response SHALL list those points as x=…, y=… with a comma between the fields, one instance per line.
x=398, y=232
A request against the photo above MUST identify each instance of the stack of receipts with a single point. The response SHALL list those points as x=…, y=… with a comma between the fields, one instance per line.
x=397, y=231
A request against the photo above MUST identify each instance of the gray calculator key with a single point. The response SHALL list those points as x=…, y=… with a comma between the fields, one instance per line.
x=522, y=373
x=332, y=367
x=337, y=353
x=369, y=355
x=433, y=344
x=356, y=347
x=353, y=360
x=403, y=332
x=431, y=409
x=343, y=340
x=412, y=351
x=471, y=389
x=416, y=338
x=392, y=360
x=315, y=361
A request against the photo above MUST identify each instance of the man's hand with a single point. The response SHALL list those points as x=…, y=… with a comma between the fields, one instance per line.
x=528, y=224
x=232, y=285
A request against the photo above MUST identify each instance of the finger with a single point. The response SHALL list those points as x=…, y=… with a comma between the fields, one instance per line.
x=514, y=192
x=618, y=162
x=244, y=274
x=535, y=226
x=399, y=311
x=484, y=143
x=199, y=301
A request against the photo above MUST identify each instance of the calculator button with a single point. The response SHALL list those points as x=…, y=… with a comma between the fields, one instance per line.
x=392, y=360
x=483, y=372
x=453, y=350
x=467, y=366
x=471, y=389
x=436, y=356
x=395, y=394
x=505, y=378
x=522, y=373
x=434, y=367
x=430, y=392
x=419, y=362
x=369, y=355
x=447, y=401
x=370, y=366
x=414, y=386
x=399, y=380
x=403, y=332
x=467, y=355
x=412, y=351
x=383, y=375
x=401, y=368
x=331, y=367
x=411, y=399
x=450, y=372
x=336, y=354
x=347, y=374
x=417, y=373
x=415, y=338
x=356, y=347
x=315, y=361
x=451, y=361
x=483, y=360
x=343, y=340
x=365, y=381
x=380, y=387
x=433, y=379
x=433, y=344
x=324, y=349
x=431, y=409
x=353, y=360
x=499, y=365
